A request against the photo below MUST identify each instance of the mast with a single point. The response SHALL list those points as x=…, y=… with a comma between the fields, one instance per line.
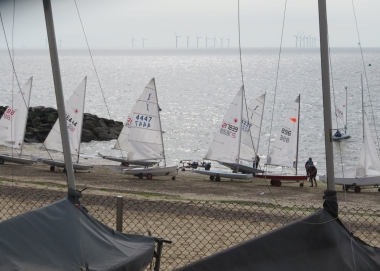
x=361, y=79
x=159, y=119
x=241, y=118
x=261, y=124
x=59, y=93
x=345, y=125
x=324, y=48
x=298, y=131
x=81, y=121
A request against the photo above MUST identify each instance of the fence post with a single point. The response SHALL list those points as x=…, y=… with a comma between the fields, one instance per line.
x=119, y=213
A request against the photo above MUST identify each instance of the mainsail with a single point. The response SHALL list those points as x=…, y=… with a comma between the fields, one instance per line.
x=284, y=151
x=74, y=118
x=369, y=163
x=339, y=116
x=251, y=128
x=226, y=144
x=141, y=136
x=13, y=121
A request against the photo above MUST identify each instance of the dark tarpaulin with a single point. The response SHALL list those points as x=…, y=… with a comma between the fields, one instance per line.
x=63, y=237
x=317, y=242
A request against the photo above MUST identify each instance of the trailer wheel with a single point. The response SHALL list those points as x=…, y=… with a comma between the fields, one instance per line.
x=140, y=176
x=217, y=179
x=278, y=183
x=272, y=182
x=212, y=178
x=378, y=190
x=301, y=184
x=1, y=161
x=149, y=176
x=357, y=189
x=183, y=169
x=52, y=168
x=173, y=178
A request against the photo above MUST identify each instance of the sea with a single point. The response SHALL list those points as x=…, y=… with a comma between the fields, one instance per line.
x=196, y=86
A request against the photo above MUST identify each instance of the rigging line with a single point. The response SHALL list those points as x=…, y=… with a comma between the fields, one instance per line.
x=13, y=75
x=241, y=62
x=96, y=71
x=277, y=72
x=365, y=72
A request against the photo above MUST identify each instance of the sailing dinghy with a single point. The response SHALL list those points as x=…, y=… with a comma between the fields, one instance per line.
x=226, y=146
x=74, y=119
x=144, y=141
x=250, y=137
x=339, y=120
x=285, y=150
x=13, y=124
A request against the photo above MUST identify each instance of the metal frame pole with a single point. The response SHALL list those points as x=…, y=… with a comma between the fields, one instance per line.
x=59, y=92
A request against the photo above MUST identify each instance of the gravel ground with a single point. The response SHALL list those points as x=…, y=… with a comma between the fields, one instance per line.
x=187, y=186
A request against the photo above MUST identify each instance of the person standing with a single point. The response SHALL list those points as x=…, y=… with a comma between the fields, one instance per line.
x=312, y=175
x=308, y=164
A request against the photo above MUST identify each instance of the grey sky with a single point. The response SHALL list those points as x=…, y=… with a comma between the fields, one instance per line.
x=112, y=24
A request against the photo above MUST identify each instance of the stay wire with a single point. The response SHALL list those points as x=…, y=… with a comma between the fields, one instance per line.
x=93, y=64
x=365, y=72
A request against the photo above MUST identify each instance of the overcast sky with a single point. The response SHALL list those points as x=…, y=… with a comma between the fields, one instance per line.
x=113, y=23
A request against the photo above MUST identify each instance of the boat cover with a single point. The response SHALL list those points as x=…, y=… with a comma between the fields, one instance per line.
x=63, y=237
x=317, y=242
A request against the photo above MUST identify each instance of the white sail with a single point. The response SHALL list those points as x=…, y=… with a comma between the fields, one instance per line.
x=74, y=119
x=251, y=128
x=339, y=115
x=122, y=142
x=225, y=146
x=284, y=151
x=13, y=121
x=369, y=163
x=144, y=140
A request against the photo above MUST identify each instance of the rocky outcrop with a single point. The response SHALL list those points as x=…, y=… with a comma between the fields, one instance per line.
x=41, y=120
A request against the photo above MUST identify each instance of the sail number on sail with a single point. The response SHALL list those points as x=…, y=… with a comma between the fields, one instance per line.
x=143, y=121
x=10, y=112
x=228, y=130
x=286, y=133
x=72, y=123
x=245, y=126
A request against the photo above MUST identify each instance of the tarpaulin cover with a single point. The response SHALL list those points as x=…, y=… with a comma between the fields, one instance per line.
x=62, y=237
x=317, y=242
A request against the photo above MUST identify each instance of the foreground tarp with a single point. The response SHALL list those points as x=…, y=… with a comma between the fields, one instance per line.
x=317, y=242
x=62, y=237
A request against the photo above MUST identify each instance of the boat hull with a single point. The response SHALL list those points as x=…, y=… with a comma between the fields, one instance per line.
x=223, y=174
x=341, y=137
x=146, y=171
x=282, y=177
x=125, y=162
x=242, y=168
x=18, y=160
x=53, y=163
x=355, y=181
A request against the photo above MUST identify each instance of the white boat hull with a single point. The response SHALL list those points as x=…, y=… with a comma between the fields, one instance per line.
x=18, y=160
x=341, y=137
x=125, y=162
x=149, y=172
x=217, y=174
x=355, y=181
x=53, y=163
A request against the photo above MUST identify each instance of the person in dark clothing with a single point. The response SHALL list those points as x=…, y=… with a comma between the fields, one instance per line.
x=308, y=164
x=312, y=175
x=256, y=162
x=338, y=133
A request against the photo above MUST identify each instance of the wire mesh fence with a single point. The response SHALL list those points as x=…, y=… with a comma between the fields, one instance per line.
x=197, y=229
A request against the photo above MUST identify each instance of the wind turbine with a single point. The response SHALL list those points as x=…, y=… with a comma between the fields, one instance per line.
x=187, y=37
x=214, y=40
x=133, y=44
x=228, y=41
x=221, y=42
x=206, y=40
x=176, y=38
x=296, y=36
x=197, y=39
x=143, y=42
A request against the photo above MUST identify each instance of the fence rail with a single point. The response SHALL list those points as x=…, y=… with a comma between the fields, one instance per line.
x=197, y=229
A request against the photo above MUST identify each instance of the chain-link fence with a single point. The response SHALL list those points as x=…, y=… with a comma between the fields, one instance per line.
x=197, y=229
